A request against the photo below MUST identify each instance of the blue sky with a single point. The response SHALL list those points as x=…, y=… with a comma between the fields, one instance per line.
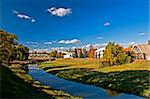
x=67, y=23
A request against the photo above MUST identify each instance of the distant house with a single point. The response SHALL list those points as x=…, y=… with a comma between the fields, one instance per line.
x=141, y=51
x=99, y=52
x=68, y=55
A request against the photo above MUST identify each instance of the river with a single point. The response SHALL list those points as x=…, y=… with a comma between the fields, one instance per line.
x=75, y=88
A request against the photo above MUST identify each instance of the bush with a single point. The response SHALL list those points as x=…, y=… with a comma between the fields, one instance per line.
x=115, y=55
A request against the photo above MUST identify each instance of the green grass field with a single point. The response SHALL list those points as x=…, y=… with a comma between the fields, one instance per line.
x=62, y=64
x=129, y=78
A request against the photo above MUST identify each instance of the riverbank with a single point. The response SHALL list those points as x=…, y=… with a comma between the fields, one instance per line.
x=16, y=83
x=130, y=78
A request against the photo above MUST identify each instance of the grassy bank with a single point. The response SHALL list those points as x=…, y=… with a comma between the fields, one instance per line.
x=130, y=78
x=16, y=83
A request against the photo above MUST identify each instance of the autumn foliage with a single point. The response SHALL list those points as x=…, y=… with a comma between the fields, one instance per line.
x=91, y=53
x=116, y=55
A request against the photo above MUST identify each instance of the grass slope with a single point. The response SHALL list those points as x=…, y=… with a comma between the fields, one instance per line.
x=14, y=87
x=16, y=83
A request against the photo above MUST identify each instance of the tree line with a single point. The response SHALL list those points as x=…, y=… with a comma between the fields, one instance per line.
x=10, y=49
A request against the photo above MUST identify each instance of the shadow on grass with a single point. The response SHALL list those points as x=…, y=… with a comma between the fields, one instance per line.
x=14, y=87
x=46, y=68
x=67, y=69
x=132, y=81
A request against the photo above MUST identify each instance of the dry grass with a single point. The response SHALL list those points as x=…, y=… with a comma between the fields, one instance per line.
x=141, y=65
x=62, y=64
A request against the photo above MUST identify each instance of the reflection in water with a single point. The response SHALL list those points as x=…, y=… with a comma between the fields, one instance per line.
x=112, y=93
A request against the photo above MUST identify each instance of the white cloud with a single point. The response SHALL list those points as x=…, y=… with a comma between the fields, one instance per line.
x=34, y=45
x=59, y=11
x=95, y=45
x=60, y=48
x=48, y=43
x=131, y=43
x=99, y=45
x=15, y=12
x=32, y=42
x=142, y=34
x=73, y=41
x=23, y=16
x=54, y=41
x=100, y=37
x=32, y=20
x=39, y=50
x=106, y=24
x=62, y=41
x=27, y=42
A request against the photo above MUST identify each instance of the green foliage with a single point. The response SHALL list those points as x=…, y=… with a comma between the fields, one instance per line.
x=75, y=55
x=115, y=55
x=81, y=55
x=7, y=43
x=56, y=54
x=9, y=48
x=148, y=42
x=20, y=53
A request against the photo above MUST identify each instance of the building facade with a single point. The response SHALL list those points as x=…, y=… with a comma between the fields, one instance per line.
x=68, y=55
x=99, y=52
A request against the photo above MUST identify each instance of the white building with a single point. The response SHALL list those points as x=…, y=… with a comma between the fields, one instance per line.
x=68, y=55
x=99, y=52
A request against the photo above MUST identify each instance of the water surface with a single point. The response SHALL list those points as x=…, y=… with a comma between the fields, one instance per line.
x=75, y=88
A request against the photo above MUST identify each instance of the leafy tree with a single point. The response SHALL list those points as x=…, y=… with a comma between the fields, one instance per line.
x=20, y=53
x=91, y=53
x=53, y=54
x=115, y=55
x=59, y=55
x=75, y=55
x=81, y=55
x=56, y=54
x=148, y=42
x=85, y=54
x=7, y=43
x=9, y=48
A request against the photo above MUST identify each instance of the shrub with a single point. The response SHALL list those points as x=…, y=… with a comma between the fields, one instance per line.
x=116, y=55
